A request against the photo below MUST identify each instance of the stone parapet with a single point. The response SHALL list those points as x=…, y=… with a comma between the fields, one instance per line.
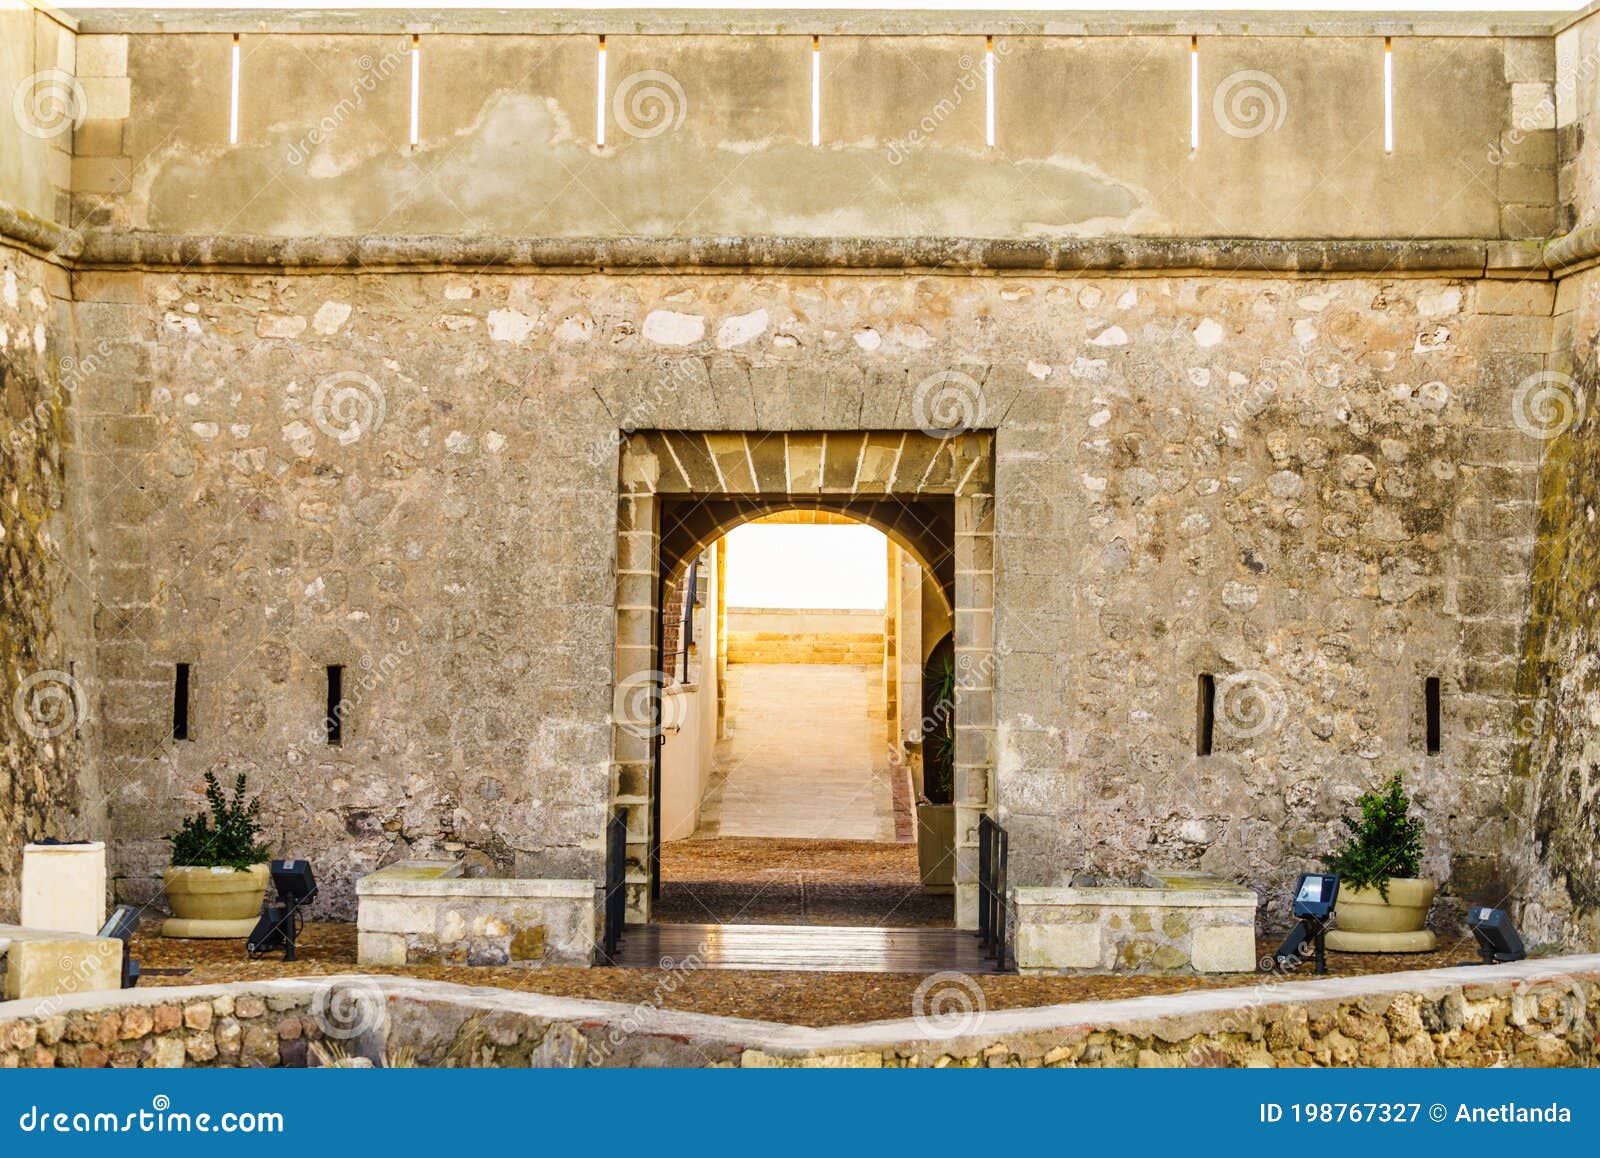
x=1532, y=1013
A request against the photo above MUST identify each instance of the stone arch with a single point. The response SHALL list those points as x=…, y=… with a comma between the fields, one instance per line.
x=924, y=527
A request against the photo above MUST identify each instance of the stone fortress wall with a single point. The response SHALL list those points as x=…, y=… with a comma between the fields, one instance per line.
x=1277, y=408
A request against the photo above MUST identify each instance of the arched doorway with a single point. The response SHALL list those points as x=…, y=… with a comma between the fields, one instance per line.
x=788, y=772
x=680, y=492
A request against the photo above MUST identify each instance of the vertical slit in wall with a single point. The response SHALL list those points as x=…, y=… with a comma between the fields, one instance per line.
x=1388, y=94
x=1435, y=724
x=416, y=85
x=233, y=95
x=180, y=702
x=1194, y=93
x=1205, y=714
x=988, y=84
x=816, y=90
x=600, y=94
x=335, y=714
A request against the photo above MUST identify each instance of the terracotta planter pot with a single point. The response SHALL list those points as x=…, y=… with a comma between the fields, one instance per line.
x=1365, y=923
x=214, y=902
x=936, y=846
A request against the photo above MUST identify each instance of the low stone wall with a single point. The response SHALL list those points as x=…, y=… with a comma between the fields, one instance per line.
x=1176, y=923
x=259, y=1024
x=417, y=913
x=814, y=647
x=804, y=635
x=1532, y=1013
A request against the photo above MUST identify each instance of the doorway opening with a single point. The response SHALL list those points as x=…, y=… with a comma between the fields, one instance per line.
x=680, y=493
x=792, y=763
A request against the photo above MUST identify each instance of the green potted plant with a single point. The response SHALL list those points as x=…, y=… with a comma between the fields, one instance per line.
x=219, y=872
x=936, y=811
x=1382, y=904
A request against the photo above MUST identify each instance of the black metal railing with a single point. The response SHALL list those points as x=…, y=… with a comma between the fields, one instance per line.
x=993, y=845
x=616, y=892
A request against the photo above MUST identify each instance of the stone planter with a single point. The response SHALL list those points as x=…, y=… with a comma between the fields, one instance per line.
x=420, y=912
x=936, y=847
x=1175, y=922
x=1365, y=923
x=214, y=902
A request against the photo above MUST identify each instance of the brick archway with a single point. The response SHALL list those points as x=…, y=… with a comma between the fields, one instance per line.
x=679, y=491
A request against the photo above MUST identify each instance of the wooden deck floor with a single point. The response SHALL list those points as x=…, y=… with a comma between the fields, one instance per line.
x=811, y=948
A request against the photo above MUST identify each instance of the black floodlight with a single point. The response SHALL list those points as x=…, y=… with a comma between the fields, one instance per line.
x=1314, y=895
x=1498, y=940
x=121, y=926
x=281, y=919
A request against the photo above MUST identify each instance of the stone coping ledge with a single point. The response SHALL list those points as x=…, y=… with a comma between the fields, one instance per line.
x=10, y=934
x=1138, y=897
x=144, y=250
x=1167, y=1017
x=377, y=885
x=820, y=22
x=115, y=249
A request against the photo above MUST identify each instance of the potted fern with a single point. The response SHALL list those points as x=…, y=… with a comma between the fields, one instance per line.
x=219, y=871
x=1382, y=904
x=936, y=811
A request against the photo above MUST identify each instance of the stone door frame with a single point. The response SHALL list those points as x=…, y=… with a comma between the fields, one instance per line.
x=889, y=479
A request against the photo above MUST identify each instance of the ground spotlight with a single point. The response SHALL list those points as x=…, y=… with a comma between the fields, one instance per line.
x=121, y=926
x=281, y=919
x=1314, y=895
x=1498, y=940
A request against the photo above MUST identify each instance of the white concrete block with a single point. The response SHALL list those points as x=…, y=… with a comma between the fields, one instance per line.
x=64, y=887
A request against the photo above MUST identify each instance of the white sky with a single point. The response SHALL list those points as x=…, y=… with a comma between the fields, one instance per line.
x=930, y=5
x=796, y=565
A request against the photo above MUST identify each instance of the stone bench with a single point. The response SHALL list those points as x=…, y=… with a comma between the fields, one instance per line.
x=429, y=913
x=54, y=963
x=1174, y=922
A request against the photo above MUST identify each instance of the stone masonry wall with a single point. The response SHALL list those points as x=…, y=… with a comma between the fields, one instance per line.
x=1315, y=489
x=1536, y=1013
x=46, y=788
x=1558, y=768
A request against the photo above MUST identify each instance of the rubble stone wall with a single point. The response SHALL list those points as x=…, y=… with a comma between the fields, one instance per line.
x=1315, y=489
x=1535, y=1013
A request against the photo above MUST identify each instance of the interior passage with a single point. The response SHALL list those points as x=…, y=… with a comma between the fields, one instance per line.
x=804, y=757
